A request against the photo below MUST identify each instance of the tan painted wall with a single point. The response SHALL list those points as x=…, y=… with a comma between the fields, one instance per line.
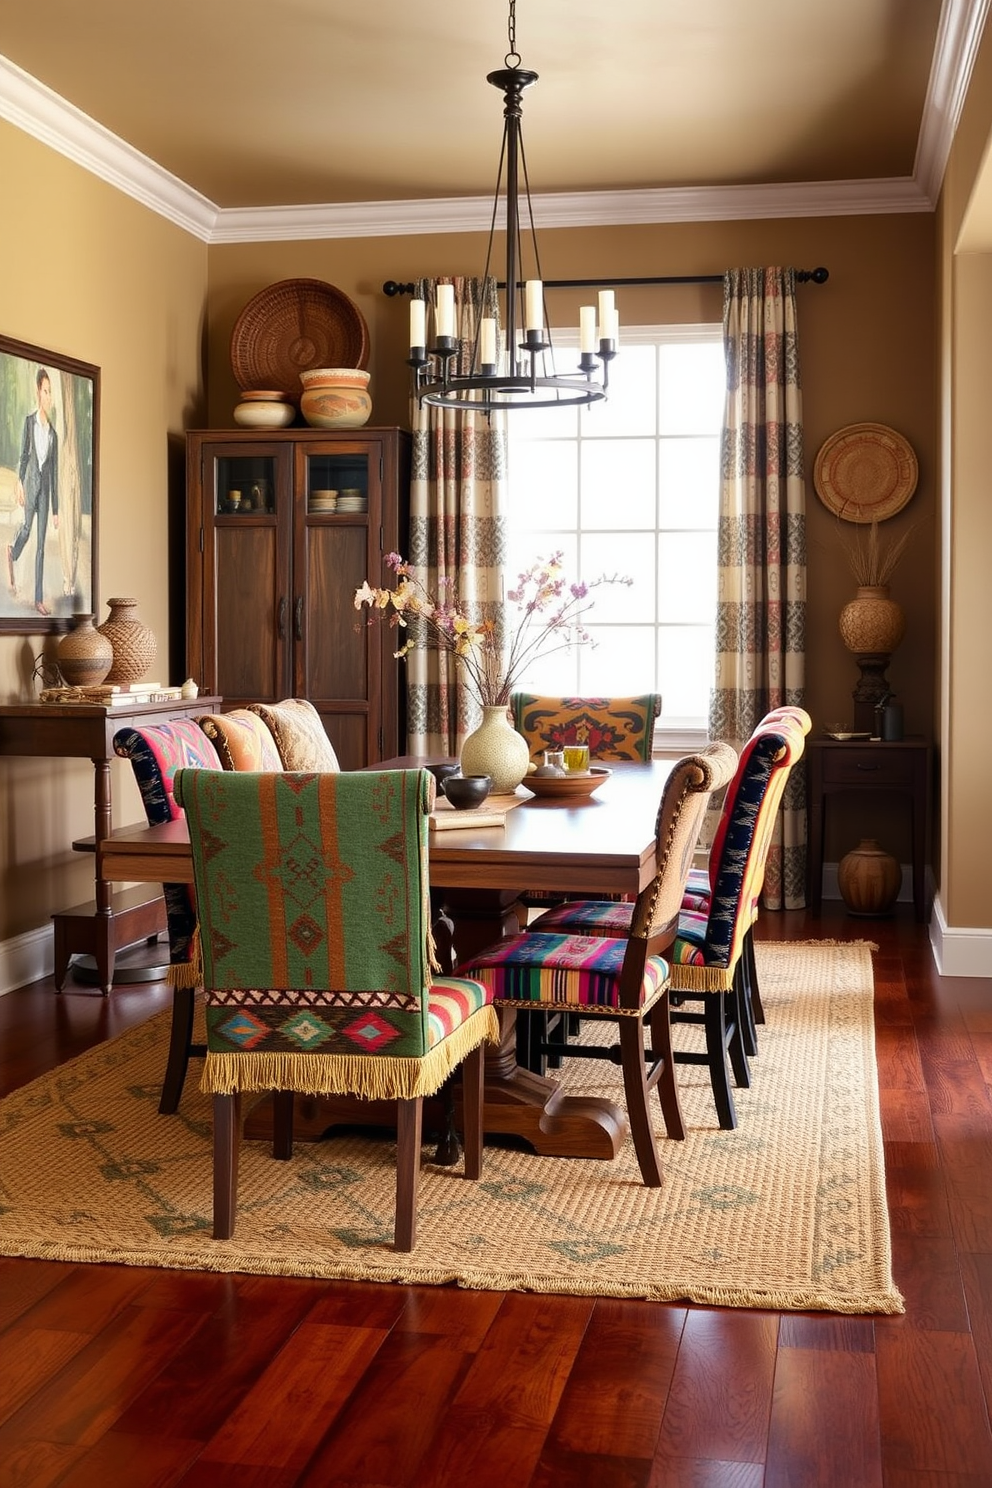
x=88, y=272
x=867, y=347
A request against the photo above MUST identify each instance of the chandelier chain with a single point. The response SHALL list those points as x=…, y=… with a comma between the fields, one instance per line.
x=512, y=58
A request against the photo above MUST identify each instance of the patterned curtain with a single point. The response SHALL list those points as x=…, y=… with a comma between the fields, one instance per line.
x=457, y=530
x=761, y=606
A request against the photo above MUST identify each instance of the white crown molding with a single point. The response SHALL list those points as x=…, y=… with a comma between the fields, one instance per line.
x=568, y=209
x=959, y=33
x=41, y=113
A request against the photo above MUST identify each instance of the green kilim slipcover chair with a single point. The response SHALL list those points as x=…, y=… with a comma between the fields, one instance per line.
x=313, y=901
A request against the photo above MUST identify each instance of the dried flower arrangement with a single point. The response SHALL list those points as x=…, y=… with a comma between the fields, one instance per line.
x=871, y=559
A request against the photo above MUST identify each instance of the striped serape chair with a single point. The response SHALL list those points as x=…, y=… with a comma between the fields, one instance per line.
x=708, y=952
x=313, y=898
x=156, y=752
x=626, y=980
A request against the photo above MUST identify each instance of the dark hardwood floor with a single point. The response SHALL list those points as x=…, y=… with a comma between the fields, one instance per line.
x=116, y=1377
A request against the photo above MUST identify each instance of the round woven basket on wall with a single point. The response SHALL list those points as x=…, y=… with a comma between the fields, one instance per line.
x=133, y=642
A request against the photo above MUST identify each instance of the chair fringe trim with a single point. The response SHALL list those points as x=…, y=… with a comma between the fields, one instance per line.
x=369, y=1076
x=690, y=978
x=184, y=973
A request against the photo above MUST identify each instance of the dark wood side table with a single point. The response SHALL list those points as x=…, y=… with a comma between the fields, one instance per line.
x=837, y=767
x=86, y=731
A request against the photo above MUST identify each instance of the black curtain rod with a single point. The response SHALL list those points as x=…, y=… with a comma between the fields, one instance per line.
x=803, y=276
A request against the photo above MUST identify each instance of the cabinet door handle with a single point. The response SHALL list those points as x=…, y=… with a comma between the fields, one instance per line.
x=859, y=766
x=281, y=622
x=299, y=618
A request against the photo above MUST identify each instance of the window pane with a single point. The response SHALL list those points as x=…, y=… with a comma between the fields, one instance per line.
x=614, y=553
x=632, y=400
x=617, y=483
x=691, y=383
x=621, y=663
x=688, y=482
x=687, y=577
x=556, y=674
x=685, y=671
x=543, y=484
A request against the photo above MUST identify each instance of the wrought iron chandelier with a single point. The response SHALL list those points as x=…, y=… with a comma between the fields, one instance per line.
x=519, y=373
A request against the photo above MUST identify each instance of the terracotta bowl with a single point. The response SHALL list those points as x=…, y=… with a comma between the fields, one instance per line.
x=335, y=398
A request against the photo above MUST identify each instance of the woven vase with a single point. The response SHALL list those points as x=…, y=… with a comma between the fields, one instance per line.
x=133, y=643
x=872, y=622
x=869, y=879
x=84, y=656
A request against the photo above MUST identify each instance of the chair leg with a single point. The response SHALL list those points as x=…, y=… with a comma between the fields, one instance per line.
x=409, y=1121
x=531, y=1032
x=745, y=1016
x=752, y=978
x=716, y=1052
x=472, y=1095
x=737, y=1043
x=227, y=1142
x=282, y=1124
x=635, y=1084
x=660, y=1025
x=180, y=1038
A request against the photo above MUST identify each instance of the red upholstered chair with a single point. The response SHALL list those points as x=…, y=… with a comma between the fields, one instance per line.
x=156, y=752
x=625, y=981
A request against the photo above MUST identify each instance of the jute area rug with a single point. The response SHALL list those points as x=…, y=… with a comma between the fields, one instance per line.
x=788, y=1211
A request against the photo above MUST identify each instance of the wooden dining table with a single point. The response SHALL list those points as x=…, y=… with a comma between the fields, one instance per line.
x=597, y=845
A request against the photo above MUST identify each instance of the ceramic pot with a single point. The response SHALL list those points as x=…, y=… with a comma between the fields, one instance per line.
x=872, y=621
x=264, y=411
x=497, y=750
x=335, y=398
x=84, y=656
x=869, y=879
x=133, y=642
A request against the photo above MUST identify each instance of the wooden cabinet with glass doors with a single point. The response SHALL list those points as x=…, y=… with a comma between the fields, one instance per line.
x=282, y=528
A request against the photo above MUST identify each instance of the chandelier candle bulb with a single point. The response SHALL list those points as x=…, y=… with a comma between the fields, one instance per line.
x=444, y=310
x=607, y=305
x=611, y=330
x=533, y=305
x=487, y=341
x=418, y=325
x=587, y=328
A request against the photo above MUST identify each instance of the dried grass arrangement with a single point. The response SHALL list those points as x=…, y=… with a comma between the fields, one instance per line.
x=871, y=559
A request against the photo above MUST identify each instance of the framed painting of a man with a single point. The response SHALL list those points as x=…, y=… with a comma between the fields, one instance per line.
x=49, y=421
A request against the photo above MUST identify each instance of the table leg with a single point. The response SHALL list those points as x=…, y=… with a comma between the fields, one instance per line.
x=104, y=948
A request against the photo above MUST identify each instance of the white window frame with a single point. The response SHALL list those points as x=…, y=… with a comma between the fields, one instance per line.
x=681, y=734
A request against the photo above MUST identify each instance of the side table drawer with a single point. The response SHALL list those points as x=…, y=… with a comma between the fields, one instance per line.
x=867, y=766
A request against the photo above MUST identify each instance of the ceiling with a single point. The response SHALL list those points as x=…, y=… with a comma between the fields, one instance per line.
x=253, y=105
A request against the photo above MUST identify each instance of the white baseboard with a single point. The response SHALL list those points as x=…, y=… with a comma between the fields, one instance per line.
x=957, y=950
x=26, y=958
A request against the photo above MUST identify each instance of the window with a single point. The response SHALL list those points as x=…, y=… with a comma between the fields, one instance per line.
x=631, y=486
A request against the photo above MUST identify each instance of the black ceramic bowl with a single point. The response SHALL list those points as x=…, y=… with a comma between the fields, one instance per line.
x=442, y=773
x=467, y=790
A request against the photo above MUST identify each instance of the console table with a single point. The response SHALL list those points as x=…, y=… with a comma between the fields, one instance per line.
x=902, y=767
x=86, y=731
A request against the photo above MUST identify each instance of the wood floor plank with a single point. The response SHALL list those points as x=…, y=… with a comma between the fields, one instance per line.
x=831, y=1331
x=638, y=1363
x=31, y=1357
x=906, y=1115
x=703, y=1472
x=283, y=1417
x=24, y=1282
x=966, y=1154
x=931, y=1405
x=976, y=1276
x=134, y=1461
x=377, y=1439
x=37, y=1464
x=898, y=1056
x=88, y=1395
x=926, y=1271
x=822, y=1448
x=582, y=1469
x=207, y=1379
x=498, y=1421
x=721, y=1393
x=87, y=1298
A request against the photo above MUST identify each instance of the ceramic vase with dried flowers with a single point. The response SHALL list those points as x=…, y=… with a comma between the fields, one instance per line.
x=872, y=624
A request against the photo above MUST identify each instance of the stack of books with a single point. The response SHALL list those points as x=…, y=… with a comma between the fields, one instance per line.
x=114, y=695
